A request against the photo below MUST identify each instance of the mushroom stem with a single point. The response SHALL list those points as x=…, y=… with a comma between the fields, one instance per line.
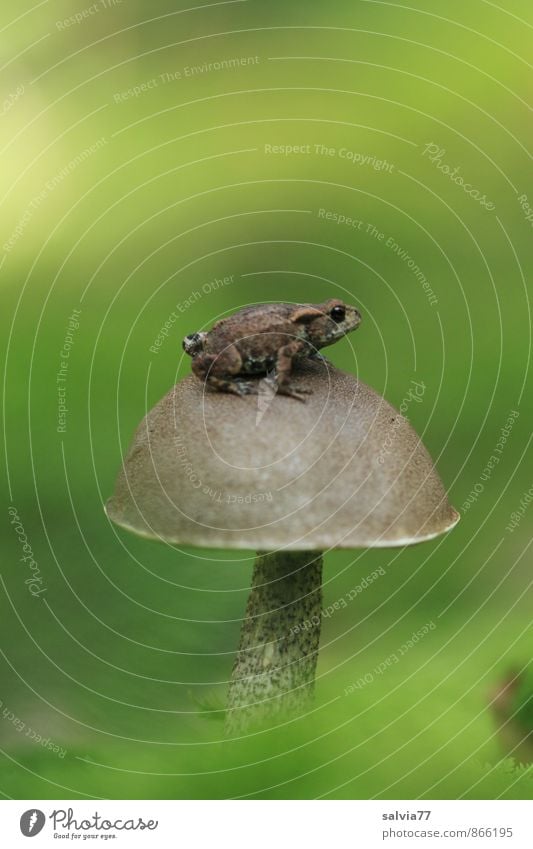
x=274, y=672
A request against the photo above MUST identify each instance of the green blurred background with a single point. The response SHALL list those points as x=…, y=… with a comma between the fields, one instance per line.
x=121, y=203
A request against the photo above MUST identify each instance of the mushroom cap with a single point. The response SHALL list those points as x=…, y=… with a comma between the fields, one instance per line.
x=343, y=470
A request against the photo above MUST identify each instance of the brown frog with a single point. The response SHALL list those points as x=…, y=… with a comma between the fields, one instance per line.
x=265, y=340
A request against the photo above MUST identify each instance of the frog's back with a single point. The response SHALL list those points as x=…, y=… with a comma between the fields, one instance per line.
x=260, y=318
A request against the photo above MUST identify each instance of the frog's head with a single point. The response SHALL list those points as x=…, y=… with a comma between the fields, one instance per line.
x=194, y=343
x=326, y=323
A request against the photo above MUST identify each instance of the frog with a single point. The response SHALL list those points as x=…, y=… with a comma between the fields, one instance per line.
x=267, y=340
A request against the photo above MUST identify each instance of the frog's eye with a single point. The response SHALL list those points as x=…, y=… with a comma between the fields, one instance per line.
x=338, y=314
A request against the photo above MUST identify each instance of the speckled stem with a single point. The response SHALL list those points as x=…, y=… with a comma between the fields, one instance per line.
x=274, y=672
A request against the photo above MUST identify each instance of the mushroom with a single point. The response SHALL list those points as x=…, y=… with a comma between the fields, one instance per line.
x=289, y=480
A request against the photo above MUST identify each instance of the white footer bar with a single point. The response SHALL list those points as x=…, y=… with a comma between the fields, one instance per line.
x=268, y=824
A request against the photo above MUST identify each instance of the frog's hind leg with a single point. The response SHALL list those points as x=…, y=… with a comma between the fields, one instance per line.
x=220, y=371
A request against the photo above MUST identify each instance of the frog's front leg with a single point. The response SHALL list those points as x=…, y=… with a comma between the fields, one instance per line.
x=319, y=358
x=220, y=370
x=282, y=377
